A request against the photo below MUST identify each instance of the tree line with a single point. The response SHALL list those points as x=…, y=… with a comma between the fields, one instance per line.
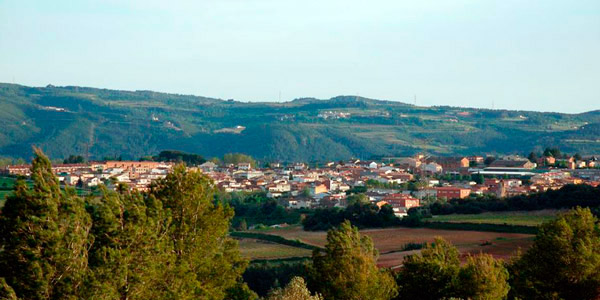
x=361, y=214
x=568, y=196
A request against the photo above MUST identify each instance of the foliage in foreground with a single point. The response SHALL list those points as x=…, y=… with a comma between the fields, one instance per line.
x=295, y=290
x=170, y=243
x=437, y=271
x=564, y=261
x=347, y=270
x=44, y=237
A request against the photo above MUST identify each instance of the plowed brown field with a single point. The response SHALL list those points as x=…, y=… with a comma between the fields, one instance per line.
x=390, y=241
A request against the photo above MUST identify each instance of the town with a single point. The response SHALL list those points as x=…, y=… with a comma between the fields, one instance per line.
x=401, y=182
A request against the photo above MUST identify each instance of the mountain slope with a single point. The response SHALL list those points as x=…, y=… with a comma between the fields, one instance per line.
x=100, y=122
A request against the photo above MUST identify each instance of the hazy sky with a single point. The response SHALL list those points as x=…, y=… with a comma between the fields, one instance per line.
x=534, y=55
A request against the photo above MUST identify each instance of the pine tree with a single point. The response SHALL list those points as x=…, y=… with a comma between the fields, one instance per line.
x=348, y=270
x=127, y=254
x=437, y=270
x=483, y=278
x=434, y=270
x=205, y=262
x=44, y=237
x=564, y=261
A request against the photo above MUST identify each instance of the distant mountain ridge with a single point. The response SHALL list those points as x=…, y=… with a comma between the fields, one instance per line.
x=102, y=122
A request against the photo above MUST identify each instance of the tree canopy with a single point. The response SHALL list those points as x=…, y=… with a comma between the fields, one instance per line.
x=44, y=237
x=169, y=243
x=347, y=269
x=436, y=273
x=564, y=261
x=295, y=290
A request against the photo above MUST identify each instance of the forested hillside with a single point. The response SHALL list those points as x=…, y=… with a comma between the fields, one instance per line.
x=101, y=123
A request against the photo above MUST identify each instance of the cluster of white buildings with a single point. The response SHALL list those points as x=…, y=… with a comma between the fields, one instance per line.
x=298, y=186
x=136, y=174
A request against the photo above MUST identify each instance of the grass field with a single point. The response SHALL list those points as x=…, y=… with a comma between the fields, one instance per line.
x=5, y=183
x=390, y=241
x=260, y=249
x=524, y=218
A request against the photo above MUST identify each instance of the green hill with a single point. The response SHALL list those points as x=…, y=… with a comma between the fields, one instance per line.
x=79, y=120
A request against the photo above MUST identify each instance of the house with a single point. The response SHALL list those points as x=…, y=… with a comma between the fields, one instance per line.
x=432, y=168
x=299, y=166
x=332, y=185
x=401, y=200
x=409, y=162
x=140, y=166
x=300, y=203
x=512, y=164
x=244, y=166
x=71, y=179
x=400, y=203
x=451, y=192
x=122, y=177
x=95, y=181
x=425, y=193
x=318, y=189
x=475, y=160
x=546, y=161
x=69, y=168
x=208, y=166
x=451, y=164
x=24, y=170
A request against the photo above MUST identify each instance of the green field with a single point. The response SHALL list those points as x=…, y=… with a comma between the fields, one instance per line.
x=260, y=249
x=6, y=185
x=6, y=182
x=523, y=218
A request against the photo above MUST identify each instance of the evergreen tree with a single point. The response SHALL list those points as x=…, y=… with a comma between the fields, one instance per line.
x=437, y=271
x=348, y=270
x=431, y=274
x=206, y=262
x=240, y=291
x=44, y=237
x=128, y=254
x=483, y=278
x=533, y=157
x=564, y=261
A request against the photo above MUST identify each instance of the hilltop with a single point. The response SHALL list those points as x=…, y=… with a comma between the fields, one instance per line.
x=79, y=120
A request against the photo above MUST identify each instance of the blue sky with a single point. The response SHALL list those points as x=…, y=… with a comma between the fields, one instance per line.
x=531, y=55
